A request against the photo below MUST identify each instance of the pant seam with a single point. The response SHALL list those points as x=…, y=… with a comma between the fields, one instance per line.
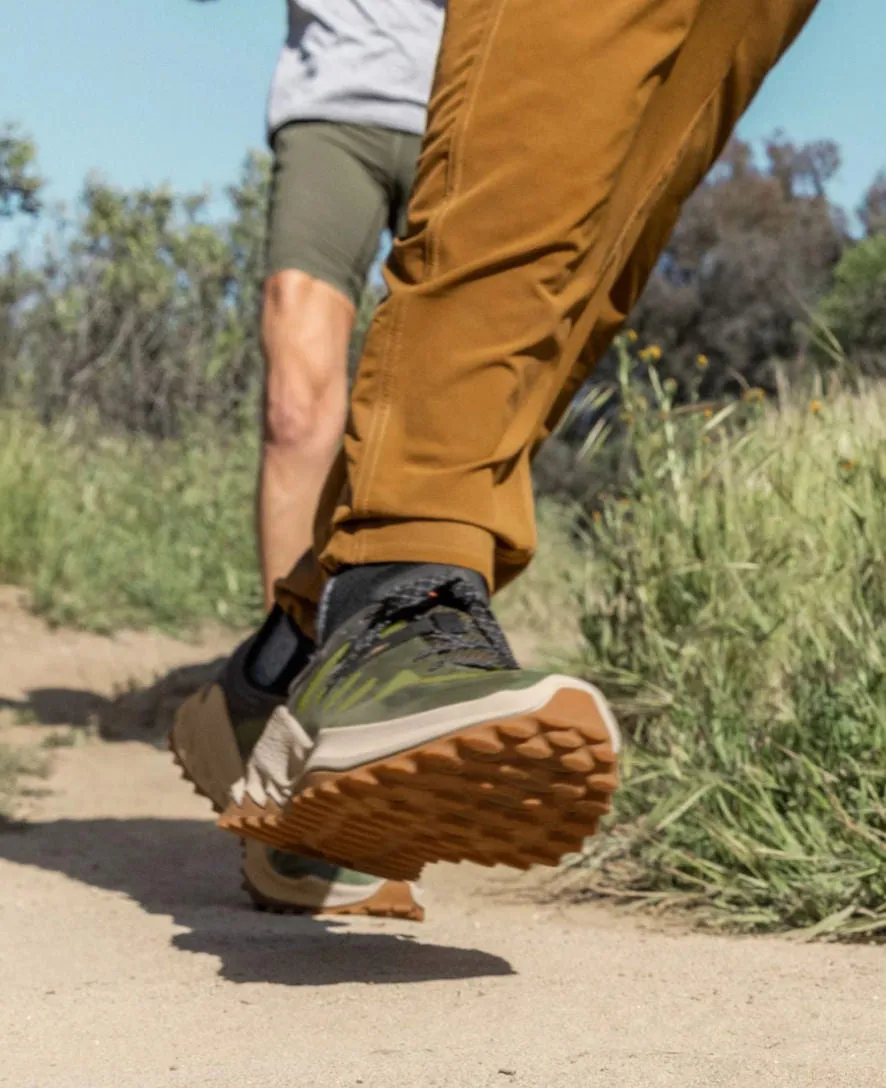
x=379, y=422
x=653, y=193
x=379, y=425
x=455, y=167
x=483, y=561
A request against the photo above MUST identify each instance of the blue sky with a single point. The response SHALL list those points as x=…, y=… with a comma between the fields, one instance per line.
x=175, y=90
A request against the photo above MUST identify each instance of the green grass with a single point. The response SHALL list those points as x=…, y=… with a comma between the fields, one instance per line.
x=116, y=532
x=542, y=608
x=17, y=762
x=737, y=618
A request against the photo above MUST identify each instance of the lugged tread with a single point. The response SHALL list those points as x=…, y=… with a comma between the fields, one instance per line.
x=520, y=791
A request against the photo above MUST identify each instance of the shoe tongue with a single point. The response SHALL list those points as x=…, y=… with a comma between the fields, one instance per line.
x=358, y=587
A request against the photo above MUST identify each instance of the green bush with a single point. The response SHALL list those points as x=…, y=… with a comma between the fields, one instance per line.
x=852, y=316
x=737, y=619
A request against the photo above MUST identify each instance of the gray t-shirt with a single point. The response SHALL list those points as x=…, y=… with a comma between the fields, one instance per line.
x=368, y=62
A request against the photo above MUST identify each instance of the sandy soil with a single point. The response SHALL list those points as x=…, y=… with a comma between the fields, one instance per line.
x=129, y=958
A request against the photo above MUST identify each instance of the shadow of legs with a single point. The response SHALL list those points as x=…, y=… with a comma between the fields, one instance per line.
x=187, y=869
x=144, y=713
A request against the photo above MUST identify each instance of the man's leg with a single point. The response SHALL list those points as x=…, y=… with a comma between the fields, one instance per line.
x=545, y=193
x=306, y=327
x=562, y=141
x=299, y=593
x=332, y=195
x=328, y=207
x=561, y=144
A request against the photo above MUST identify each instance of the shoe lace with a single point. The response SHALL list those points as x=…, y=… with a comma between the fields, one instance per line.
x=472, y=639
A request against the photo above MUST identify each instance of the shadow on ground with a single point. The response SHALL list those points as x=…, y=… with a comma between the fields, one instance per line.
x=140, y=713
x=186, y=869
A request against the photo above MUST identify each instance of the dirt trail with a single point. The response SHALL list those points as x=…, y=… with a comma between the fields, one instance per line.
x=128, y=956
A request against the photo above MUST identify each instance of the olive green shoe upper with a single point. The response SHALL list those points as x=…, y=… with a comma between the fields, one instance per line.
x=424, y=659
x=428, y=645
x=413, y=736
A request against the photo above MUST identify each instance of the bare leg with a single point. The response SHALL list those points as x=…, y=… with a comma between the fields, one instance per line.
x=306, y=327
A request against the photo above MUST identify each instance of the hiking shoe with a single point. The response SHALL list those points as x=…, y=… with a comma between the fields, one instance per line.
x=413, y=736
x=213, y=733
x=288, y=883
x=216, y=728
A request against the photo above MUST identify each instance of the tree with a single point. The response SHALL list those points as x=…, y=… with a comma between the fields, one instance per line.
x=853, y=313
x=142, y=310
x=20, y=183
x=753, y=251
x=872, y=212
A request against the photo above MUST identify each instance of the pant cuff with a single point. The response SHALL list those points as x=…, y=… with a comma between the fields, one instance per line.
x=448, y=542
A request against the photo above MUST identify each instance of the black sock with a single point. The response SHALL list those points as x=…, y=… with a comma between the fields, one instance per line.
x=356, y=587
x=276, y=654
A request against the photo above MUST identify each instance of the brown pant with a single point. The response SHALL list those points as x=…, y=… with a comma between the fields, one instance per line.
x=563, y=138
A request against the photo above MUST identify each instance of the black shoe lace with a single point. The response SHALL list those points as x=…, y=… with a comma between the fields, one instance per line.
x=472, y=639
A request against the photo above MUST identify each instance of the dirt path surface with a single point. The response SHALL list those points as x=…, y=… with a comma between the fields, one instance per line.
x=129, y=958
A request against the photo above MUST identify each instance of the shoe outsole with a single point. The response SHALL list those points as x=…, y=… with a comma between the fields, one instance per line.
x=519, y=791
x=393, y=900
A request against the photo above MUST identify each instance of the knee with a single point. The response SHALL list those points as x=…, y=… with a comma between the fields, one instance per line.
x=297, y=417
x=305, y=347
x=305, y=403
x=305, y=399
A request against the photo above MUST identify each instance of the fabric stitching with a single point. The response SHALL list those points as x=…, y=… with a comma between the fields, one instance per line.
x=455, y=166
x=390, y=366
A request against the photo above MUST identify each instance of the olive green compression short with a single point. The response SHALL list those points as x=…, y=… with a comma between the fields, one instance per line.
x=335, y=187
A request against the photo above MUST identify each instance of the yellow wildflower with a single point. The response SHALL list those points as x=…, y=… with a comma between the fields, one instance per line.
x=631, y=336
x=702, y=362
x=815, y=407
x=708, y=412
